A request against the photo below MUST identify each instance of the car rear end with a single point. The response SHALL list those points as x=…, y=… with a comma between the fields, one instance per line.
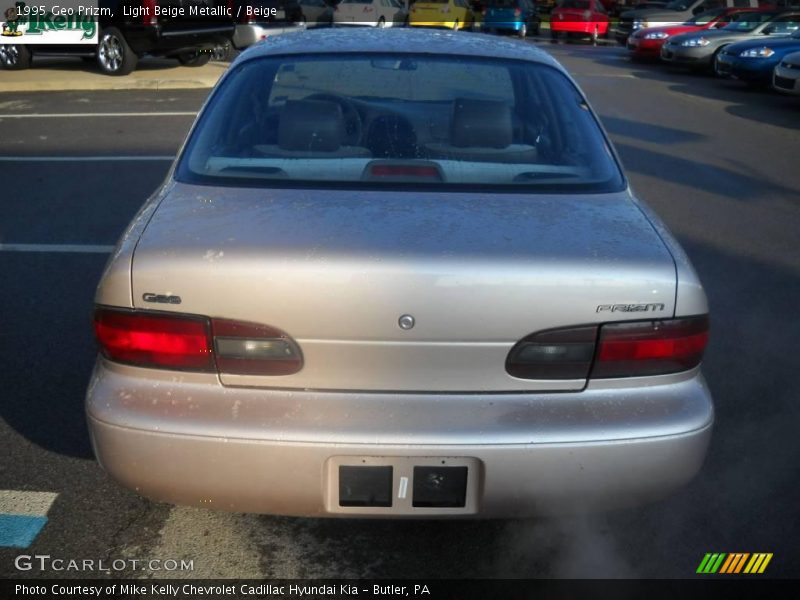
x=435, y=13
x=355, y=12
x=502, y=15
x=572, y=16
x=408, y=341
x=256, y=20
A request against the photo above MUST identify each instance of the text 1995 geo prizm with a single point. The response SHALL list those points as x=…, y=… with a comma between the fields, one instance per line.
x=399, y=274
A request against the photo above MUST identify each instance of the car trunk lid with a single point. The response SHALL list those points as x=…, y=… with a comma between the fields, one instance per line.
x=336, y=270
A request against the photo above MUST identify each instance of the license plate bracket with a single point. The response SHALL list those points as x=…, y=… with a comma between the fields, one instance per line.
x=402, y=485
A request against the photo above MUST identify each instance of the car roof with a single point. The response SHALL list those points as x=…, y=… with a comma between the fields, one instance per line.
x=398, y=41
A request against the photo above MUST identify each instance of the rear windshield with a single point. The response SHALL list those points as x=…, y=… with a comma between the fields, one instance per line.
x=366, y=120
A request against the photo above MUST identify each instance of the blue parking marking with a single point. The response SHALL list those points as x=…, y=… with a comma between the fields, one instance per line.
x=19, y=531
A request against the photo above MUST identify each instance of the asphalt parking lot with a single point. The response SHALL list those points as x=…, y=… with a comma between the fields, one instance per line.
x=717, y=161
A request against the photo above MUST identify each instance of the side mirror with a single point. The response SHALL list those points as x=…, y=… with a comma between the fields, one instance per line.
x=769, y=30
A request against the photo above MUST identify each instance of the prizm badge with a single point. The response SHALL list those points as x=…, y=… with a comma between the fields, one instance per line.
x=161, y=298
x=630, y=307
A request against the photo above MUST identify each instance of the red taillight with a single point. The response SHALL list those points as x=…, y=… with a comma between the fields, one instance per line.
x=149, y=12
x=628, y=349
x=650, y=347
x=193, y=343
x=162, y=341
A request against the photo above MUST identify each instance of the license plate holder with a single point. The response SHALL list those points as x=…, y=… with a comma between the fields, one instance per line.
x=420, y=485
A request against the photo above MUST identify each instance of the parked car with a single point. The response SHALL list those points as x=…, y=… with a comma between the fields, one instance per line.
x=786, y=76
x=699, y=50
x=372, y=13
x=452, y=14
x=647, y=43
x=753, y=61
x=672, y=13
x=582, y=17
x=122, y=40
x=516, y=16
x=259, y=19
x=399, y=273
x=316, y=13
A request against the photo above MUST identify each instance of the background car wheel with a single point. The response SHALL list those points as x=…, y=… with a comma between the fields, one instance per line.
x=554, y=35
x=537, y=28
x=381, y=22
x=15, y=57
x=523, y=30
x=595, y=36
x=194, y=59
x=455, y=25
x=114, y=55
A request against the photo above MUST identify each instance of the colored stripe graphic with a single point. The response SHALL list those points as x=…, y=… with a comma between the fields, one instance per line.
x=22, y=516
x=711, y=562
x=758, y=563
x=733, y=563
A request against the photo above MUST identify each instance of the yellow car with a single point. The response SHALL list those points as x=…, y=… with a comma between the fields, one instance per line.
x=453, y=14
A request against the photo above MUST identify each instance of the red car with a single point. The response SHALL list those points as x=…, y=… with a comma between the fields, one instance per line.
x=584, y=17
x=646, y=43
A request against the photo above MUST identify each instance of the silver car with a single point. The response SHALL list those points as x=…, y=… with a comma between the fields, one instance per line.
x=786, y=76
x=399, y=274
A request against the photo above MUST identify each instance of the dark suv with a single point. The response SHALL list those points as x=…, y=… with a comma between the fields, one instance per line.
x=124, y=39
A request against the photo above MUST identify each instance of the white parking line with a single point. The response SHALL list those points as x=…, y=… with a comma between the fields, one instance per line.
x=70, y=248
x=110, y=114
x=26, y=503
x=82, y=158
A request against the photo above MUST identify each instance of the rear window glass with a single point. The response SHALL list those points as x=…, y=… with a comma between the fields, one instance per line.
x=398, y=120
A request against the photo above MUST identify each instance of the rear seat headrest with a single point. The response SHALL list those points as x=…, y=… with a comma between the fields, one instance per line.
x=481, y=123
x=311, y=125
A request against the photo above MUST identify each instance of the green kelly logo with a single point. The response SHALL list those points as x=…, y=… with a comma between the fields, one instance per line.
x=38, y=22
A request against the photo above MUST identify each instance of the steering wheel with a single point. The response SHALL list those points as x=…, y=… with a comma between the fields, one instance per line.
x=353, y=124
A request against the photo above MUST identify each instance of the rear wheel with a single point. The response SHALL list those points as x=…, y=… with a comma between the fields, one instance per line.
x=15, y=57
x=114, y=55
x=455, y=25
x=381, y=22
x=595, y=35
x=523, y=30
x=194, y=59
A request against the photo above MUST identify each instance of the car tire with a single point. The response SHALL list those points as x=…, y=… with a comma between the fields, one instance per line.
x=554, y=36
x=381, y=23
x=455, y=25
x=194, y=59
x=595, y=36
x=523, y=31
x=114, y=55
x=15, y=57
x=537, y=29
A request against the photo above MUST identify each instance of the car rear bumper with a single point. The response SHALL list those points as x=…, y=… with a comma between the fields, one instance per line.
x=185, y=439
x=572, y=26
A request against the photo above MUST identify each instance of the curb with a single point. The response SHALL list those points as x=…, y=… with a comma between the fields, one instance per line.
x=44, y=79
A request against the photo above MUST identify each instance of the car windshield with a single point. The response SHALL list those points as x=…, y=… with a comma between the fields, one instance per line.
x=361, y=120
x=749, y=23
x=706, y=17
